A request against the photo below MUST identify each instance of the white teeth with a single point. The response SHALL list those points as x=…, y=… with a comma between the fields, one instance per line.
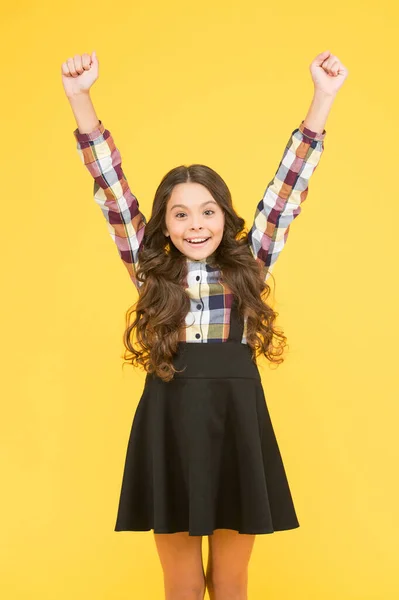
x=197, y=241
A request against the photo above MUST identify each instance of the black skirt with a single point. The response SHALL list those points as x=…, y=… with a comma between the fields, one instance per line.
x=202, y=453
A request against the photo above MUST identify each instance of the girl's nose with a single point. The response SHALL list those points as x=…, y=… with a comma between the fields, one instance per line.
x=196, y=225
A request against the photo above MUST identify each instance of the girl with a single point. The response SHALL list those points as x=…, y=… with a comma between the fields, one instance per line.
x=202, y=457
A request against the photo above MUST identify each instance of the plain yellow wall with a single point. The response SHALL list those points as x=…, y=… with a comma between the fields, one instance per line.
x=222, y=83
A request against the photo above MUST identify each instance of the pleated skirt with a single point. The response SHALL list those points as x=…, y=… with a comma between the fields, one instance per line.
x=202, y=453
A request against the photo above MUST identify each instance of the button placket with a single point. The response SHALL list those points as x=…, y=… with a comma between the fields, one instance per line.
x=199, y=306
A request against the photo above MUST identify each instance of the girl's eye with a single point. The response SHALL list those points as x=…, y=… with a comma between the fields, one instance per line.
x=208, y=210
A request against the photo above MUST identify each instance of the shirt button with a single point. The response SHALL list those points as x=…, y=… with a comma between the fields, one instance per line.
x=197, y=278
x=199, y=306
x=197, y=335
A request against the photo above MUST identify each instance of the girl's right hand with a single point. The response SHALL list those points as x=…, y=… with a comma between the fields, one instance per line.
x=79, y=73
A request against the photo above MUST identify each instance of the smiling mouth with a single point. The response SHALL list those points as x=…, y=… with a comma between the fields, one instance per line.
x=199, y=244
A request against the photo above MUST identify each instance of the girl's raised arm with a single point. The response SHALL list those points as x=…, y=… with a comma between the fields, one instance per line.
x=284, y=195
x=97, y=150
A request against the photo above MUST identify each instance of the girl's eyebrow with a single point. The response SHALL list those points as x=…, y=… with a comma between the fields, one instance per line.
x=184, y=206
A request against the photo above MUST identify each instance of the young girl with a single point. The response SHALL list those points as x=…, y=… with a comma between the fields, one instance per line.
x=202, y=457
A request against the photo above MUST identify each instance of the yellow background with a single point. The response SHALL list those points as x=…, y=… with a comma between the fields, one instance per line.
x=221, y=83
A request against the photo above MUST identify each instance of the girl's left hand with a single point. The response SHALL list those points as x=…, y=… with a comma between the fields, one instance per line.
x=328, y=73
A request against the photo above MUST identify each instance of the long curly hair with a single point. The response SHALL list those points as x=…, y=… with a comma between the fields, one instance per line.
x=163, y=303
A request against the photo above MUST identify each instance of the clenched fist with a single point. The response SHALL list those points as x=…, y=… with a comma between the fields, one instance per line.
x=79, y=73
x=328, y=73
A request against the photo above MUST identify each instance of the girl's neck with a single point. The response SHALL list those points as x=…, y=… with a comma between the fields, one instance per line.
x=207, y=260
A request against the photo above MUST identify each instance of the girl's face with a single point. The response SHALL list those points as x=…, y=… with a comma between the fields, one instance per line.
x=192, y=212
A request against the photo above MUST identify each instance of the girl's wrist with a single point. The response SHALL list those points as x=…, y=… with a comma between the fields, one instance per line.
x=321, y=96
x=77, y=95
x=318, y=112
x=84, y=112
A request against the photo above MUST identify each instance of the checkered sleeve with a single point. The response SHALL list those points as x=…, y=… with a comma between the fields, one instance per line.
x=284, y=195
x=125, y=222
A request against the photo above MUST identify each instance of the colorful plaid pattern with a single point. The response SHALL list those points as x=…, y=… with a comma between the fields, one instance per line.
x=210, y=300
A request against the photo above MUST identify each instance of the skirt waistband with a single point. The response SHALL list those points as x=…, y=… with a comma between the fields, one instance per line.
x=229, y=359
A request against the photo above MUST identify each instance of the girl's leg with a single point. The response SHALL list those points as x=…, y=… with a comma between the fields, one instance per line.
x=181, y=560
x=227, y=569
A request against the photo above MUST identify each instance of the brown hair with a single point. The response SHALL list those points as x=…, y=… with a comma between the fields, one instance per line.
x=163, y=303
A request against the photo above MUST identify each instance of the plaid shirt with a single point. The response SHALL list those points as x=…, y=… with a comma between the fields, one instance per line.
x=210, y=300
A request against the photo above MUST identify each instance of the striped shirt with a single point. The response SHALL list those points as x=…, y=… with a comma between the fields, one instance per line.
x=210, y=300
